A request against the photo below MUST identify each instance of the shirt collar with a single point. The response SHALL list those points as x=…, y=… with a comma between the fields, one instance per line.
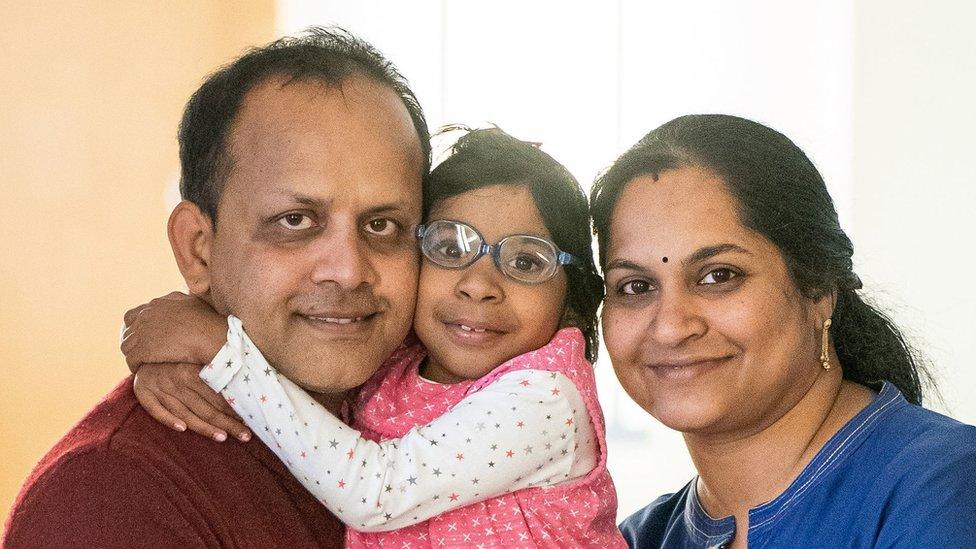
x=708, y=531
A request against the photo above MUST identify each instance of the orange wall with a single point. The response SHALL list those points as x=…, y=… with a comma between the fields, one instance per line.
x=90, y=99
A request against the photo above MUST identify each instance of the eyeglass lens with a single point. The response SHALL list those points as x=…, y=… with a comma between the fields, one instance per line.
x=455, y=245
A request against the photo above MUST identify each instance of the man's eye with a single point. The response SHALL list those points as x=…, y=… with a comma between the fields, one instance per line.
x=635, y=287
x=381, y=227
x=718, y=276
x=295, y=221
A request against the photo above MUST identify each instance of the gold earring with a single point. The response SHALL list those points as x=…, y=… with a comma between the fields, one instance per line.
x=824, y=346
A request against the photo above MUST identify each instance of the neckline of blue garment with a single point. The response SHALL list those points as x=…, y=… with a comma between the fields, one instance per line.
x=705, y=529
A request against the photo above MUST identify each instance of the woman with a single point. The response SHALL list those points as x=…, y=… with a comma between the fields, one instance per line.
x=732, y=315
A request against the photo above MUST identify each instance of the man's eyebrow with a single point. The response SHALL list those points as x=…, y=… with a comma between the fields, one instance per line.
x=299, y=198
x=711, y=251
x=310, y=200
x=387, y=207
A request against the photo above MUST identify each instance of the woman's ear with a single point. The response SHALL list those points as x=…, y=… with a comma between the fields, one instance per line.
x=824, y=306
x=191, y=235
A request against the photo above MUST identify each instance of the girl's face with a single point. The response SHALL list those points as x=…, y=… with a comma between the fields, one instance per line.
x=474, y=319
x=703, y=323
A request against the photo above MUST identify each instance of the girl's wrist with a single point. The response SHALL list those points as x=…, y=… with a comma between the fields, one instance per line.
x=213, y=341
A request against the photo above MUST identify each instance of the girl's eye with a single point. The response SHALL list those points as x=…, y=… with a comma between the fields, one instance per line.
x=635, y=287
x=525, y=263
x=381, y=227
x=448, y=248
x=718, y=276
x=295, y=221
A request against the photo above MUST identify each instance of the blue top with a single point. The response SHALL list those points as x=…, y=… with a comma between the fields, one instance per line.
x=897, y=475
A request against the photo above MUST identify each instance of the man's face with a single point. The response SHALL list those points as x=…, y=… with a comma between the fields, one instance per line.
x=314, y=248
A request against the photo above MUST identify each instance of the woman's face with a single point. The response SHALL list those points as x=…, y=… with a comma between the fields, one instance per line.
x=475, y=318
x=703, y=323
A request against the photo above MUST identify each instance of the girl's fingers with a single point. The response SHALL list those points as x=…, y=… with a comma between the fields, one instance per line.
x=204, y=408
x=222, y=414
x=157, y=411
x=193, y=422
x=130, y=316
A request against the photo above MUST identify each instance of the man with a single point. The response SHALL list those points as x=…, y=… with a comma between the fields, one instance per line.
x=302, y=165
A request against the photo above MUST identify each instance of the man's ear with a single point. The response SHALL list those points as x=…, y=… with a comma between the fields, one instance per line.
x=191, y=235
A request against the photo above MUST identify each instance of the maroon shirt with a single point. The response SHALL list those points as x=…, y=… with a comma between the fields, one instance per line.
x=121, y=479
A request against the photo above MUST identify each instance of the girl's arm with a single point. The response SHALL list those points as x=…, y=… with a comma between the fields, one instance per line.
x=165, y=343
x=527, y=428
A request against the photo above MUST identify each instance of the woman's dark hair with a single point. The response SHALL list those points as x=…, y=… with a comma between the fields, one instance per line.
x=485, y=157
x=780, y=195
x=328, y=55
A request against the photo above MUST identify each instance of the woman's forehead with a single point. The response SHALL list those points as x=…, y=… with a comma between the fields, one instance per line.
x=679, y=212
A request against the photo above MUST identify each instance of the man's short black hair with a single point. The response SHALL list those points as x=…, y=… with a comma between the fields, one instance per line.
x=325, y=54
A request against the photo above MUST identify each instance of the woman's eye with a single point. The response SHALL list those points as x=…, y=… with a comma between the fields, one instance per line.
x=635, y=287
x=718, y=276
x=295, y=221
x=381, y=227
x=525, y=263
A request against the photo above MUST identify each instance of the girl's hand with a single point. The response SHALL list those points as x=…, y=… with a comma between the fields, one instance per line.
x=173, y=328
x=174, y=395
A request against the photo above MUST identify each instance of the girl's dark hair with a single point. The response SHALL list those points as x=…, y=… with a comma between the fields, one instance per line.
x=780, y=195
x=485, y=157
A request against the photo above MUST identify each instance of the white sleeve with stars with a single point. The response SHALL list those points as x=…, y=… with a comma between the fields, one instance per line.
x=528, y=428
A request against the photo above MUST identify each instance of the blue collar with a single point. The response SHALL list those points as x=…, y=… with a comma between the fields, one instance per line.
x=707, y=531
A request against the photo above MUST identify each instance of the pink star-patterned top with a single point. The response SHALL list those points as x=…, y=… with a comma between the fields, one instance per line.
x=514, y=459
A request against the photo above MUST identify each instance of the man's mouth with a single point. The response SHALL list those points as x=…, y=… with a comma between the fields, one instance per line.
x=339, y=319
x=357, y=323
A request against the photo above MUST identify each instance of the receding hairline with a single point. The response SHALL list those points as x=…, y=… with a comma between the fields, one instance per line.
x=274, y=82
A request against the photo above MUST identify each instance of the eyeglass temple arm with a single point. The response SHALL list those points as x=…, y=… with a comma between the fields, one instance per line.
x=566, y=258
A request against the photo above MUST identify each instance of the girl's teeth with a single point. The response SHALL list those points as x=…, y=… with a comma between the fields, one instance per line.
x=470, y=329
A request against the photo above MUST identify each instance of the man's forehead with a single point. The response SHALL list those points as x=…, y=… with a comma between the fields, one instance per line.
x=306, y=141
x=280, y=109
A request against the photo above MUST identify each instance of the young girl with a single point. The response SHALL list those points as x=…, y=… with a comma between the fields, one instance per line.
x=489, y=433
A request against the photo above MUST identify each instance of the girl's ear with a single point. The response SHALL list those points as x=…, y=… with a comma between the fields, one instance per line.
x=191, y=235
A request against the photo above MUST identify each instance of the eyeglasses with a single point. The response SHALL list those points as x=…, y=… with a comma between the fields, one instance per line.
x=525, y=258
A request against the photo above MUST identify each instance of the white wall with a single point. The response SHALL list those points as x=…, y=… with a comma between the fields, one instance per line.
x=915, y=178
x=588, y=79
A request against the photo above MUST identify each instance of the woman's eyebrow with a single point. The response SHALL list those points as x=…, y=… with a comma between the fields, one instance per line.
x=623, y=264
x=711, y=251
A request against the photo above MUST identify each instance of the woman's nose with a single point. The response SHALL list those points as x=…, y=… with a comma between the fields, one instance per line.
x=676, y=320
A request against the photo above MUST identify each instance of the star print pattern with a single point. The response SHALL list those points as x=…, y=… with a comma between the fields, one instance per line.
x=418, y=465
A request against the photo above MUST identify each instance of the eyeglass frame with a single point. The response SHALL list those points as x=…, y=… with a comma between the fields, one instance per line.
x=493, y=250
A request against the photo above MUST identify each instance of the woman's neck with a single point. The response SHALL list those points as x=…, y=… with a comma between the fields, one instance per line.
x=737, y=473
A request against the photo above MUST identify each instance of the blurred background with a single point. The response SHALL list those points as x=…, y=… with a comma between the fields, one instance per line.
x=878, y=93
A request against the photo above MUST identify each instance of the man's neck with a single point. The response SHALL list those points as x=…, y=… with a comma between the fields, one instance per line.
x=332, y=402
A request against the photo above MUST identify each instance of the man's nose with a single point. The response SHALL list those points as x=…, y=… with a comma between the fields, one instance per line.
x=480, y=282
x=676, y=320
x=342, y=257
